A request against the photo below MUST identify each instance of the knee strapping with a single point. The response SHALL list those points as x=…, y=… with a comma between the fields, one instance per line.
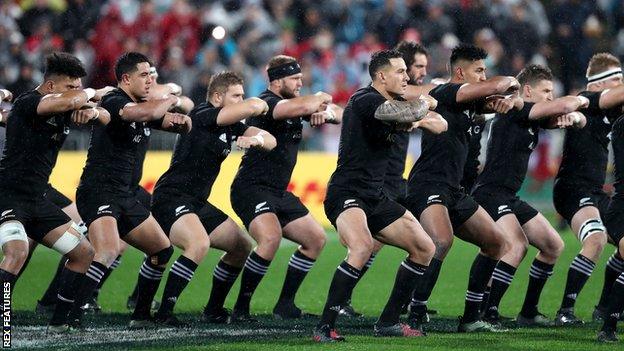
x=590, y=227
x=68, y=241
x=12, y=230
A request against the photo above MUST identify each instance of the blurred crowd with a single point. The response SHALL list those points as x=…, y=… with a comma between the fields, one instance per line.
x=191, y=39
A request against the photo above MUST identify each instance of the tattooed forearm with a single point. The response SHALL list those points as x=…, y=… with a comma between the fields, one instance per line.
x=402, y=111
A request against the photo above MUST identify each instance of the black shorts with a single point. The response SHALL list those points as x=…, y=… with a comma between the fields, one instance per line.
x=125, y=208
x=167, y=208
x=380, y=212
x=614, y=220
x=251, y=201
x=38, y=215
x=396, y=191
x=144, y=197
x=460, y=205
x=499, y=203
x=569, y=198
x=56, y=197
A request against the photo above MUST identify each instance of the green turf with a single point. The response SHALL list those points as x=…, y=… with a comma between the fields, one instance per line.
x=369, y=298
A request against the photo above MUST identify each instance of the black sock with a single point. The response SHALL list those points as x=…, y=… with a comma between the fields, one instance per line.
x=107, y=274
x=615, y=304
x=149, y=279
x=501, y=279
x=180, y=274
x=580, y=270
x=298, y=267
x=368, y=264
x=135, y=291
x=538, y=275
x=344, y=280
x=7, y=277
x=223, y=278
x=408, y=276
x=422, y=291
x=486, y=298
x=89, y=283
x=480, y=274
x=49, y=297
x=253, y=272
x=69, y=285
x=615, y=266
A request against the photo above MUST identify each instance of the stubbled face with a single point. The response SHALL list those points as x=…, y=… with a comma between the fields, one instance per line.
x=539, y=92
x=233, y=95
x=471, y=71
x=394, y=76
x=417, y=71
x=138, y=82
x=291, y=86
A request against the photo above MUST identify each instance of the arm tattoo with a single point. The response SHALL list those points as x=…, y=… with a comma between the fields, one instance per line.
x=402, y=111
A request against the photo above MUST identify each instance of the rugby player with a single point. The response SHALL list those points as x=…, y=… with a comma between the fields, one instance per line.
x=512, y=138
x=179, y=201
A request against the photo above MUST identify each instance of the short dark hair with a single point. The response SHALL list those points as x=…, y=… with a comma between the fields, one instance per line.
x=601, y=62
x=532, y=73
x=408, y=49
x=63, y=64
x=127, y=63
x=219, y=83
x=467, y=52
x=280, y=60
x=380, y=59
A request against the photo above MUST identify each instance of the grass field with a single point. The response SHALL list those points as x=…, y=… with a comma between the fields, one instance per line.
x=109, y=330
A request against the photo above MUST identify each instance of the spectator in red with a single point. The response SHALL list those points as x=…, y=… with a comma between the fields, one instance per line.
x=180, y=27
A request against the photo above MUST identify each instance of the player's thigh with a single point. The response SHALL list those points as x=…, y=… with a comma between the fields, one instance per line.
x=436, y=222
x=188, y=231
x=543, y=236
x=306, y=231
x=481, y=230
x=229, y=237
x=265, y=227
x=148, y=237
x=353, y=229
x=406, y=233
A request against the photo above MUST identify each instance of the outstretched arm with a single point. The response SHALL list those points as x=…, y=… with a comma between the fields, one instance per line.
x=256, y=137
x=494, y=86
x=560, y=106
x=301, y=105
x=402, y=111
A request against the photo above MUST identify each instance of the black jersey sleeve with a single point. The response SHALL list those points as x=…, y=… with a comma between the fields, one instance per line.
x=594, y=101
x=446, y=93
x=205, y=116
x=27, y=105
x=114, y=103
x=374, y=129
x=521, y=115
x=271, y=101
x=238, y=128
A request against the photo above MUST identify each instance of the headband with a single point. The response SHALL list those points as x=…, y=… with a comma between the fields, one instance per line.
x=604, y=75
x=285, y=70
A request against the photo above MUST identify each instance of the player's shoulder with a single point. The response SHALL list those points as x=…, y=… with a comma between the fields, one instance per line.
x=269, y=95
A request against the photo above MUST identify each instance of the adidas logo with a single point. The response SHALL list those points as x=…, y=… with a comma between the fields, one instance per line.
x=336, y=308
x=606, y=120
x=585, y=201
x=223, y=138
x=102, y=208
x=4, y=213
x=571, y=296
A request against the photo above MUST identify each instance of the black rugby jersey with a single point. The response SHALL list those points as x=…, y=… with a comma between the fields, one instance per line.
x=444, y=155
x=586, y=151
x=198, y=155
x=32, y=145
x=511, y=140
x=116, y=150
x=274, y=168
